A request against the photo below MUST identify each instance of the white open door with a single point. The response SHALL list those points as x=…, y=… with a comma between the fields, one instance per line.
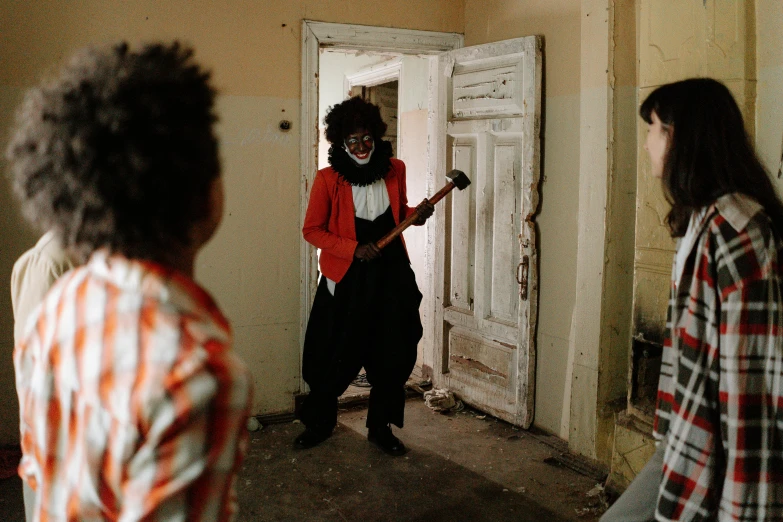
x=484, y=120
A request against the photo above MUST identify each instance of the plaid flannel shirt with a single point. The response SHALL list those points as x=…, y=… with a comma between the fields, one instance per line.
x=720, y=394
x=132, y=404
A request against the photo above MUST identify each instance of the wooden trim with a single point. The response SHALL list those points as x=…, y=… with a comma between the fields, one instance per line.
x=383, y=39
x=308, y=159
x=436, y=228
x=531, y=162
x=375, y=74
x=317, y=35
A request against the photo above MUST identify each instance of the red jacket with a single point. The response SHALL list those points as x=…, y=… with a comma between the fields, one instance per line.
x=329, y=223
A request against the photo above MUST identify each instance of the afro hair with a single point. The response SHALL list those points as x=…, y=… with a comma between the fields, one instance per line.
x=118, y=151
x=352, y=114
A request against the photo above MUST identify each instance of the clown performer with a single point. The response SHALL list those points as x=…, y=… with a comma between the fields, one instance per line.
x=366, y=309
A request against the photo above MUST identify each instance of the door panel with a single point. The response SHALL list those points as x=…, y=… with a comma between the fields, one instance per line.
x=485, y=122
x=489, y=85
x=502, y=248
x=462, y=225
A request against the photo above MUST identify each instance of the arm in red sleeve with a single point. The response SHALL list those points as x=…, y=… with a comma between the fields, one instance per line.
x=316, y=224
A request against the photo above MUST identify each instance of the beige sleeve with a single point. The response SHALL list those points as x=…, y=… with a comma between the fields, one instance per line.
x=31, y=279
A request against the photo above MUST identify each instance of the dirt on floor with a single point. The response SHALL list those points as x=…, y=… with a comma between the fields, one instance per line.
x=460, y=466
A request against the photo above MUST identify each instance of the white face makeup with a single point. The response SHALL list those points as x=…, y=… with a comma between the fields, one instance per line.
x=360, y=145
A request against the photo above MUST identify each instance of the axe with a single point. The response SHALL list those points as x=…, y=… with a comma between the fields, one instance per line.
x=457, y=179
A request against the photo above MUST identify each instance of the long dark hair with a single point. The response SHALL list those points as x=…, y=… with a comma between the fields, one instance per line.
x=709, y=152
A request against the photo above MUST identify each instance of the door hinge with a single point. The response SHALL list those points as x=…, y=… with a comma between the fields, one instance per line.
x=522, y=272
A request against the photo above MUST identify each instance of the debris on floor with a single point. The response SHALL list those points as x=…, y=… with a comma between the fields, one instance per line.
x=459, y=468
x=441, y=400
x=553, y=461
x=597, y=502
x=419, y=385
x=596, y=491
x=361, y=381
x=253, y=424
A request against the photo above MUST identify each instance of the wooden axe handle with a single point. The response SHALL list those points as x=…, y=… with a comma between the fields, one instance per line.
x=396, y=231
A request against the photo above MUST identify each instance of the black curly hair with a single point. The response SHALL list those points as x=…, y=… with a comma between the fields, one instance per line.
x=118, y=151
x=354, y=113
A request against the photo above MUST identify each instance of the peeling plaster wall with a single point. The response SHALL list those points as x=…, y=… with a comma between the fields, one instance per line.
x=558, y=21
x=254, y=50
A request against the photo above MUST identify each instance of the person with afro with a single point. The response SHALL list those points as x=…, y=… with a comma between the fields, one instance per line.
x=366, y=309
x=132, y=401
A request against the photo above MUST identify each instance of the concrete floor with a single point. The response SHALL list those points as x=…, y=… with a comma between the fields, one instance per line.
x=461, y=466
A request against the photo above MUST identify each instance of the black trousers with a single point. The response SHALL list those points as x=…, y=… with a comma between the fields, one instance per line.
x=371, y=321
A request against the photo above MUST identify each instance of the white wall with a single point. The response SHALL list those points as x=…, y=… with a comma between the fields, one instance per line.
x=413, y=106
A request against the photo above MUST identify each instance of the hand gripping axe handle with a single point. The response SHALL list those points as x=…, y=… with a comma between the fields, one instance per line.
x=456, y=178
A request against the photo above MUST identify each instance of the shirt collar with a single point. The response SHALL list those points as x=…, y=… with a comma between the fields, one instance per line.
x=737, y=209
x=158, y=282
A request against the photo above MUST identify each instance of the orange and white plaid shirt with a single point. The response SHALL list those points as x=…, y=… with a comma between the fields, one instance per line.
x=132, y=404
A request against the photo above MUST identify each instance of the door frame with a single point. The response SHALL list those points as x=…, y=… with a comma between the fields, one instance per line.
x=316, y=35
x=375, y=74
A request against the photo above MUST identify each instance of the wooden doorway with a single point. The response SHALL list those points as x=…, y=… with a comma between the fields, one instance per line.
x=480, y=296
x=317, y=38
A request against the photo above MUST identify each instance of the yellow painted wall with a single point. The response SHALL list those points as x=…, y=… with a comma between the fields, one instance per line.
x=769, y=89
x=601, y=330
x=254, y=49
x=558, y=21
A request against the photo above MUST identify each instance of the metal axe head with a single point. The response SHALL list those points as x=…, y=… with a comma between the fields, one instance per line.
x=459, y=179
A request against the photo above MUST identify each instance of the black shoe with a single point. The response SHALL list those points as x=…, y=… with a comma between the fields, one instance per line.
x=385, y=439
x=310, y=438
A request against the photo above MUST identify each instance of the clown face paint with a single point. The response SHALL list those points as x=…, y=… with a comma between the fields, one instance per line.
x=360, y=145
